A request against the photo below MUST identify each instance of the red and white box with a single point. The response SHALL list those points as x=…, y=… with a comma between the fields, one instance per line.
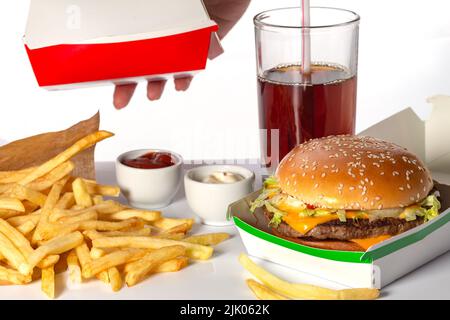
x=77, y=43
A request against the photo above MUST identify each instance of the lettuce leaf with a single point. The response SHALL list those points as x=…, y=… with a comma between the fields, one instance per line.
x=432, y=206
x=277, y=215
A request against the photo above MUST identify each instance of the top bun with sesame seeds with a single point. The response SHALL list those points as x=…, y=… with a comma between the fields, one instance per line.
x=354, y=173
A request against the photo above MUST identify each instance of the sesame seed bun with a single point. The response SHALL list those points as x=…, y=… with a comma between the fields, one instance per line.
x=354, y=173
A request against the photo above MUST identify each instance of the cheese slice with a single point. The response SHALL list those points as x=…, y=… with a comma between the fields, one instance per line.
x=303, y=225
x=367, y=243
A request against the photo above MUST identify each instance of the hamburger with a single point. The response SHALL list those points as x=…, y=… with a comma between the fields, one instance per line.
x=347, y=193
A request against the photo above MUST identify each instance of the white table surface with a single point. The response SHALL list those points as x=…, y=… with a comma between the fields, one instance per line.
x=222, y=277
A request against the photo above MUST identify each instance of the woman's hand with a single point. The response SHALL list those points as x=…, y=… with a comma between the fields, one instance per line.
x=226, y=13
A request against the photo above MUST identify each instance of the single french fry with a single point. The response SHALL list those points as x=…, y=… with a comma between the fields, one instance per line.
x=59, y=215
x=172, y=236
x=19, y=220
x=48, y=261
x=109, y=206
x=15, y=176
x=102, y=190
x=134, y=213
x=24, y=193
x=194, y=251
x=208, y=239
x=93, y=234
x=10, y=252
x=181, y=228
x=66, y=201
x=115, y=279
x=172, y=265
x=50, y=203
x=79, y=146
x=112, y=259
x=83, y=256
x=138, y=270
x=50, y=233
x=48, y=282
x=52, y=177
x=13, y=276
x=168, y=223
x=7, y=213
x=57, y=245
x=262, y=292
x=11, y=204
x=26, y=228
x=81, y=194
x=89, y=215
x=74, y=267
x=16, y=238
x=304, y=291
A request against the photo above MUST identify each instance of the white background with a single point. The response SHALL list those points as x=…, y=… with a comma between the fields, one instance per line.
x=404, y=58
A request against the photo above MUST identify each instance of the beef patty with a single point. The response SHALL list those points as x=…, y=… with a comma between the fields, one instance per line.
x=351, y=229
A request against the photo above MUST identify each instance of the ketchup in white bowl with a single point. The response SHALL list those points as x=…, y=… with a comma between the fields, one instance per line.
x=151, y=160
x=149, y=179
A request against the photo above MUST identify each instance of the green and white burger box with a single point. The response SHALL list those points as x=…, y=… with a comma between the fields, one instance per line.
x=386, y=261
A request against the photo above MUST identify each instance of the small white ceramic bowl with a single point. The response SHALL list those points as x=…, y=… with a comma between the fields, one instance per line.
x=209, y=200
x=149, y=188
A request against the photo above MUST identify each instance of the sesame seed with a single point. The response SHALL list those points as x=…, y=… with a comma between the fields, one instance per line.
x=323, y=174
x=377, y=198
x=408, y=186
x=401, y=188
x=395, y=173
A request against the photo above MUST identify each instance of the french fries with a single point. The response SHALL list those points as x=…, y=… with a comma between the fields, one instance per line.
x=48, y=282
x=194, y=251
x=14, y=176
x=102, y=190
x=52, y=177
x=262, y=292
x=13, y=277
x=81, y=194
x=49, y=204
x=55, y=246
x=51, y=221
x=115, y=279
x=11, y=204
x=141, y=268
x=113, y=259
x=133, y=213
x=304, y=291
x=210, y=239
x=74, y=267
x=168, y=223
x=51, y=164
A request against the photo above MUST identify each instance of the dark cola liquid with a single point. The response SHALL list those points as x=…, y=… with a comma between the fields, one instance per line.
x=302, y=108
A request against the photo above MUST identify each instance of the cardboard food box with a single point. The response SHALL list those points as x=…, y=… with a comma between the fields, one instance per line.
x=81, y=43
x=386, y=261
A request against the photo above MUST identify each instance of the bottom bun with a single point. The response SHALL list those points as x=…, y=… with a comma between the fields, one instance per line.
x=323, y=244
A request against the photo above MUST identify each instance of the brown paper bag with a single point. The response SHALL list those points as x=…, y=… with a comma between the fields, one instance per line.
x=35, y=150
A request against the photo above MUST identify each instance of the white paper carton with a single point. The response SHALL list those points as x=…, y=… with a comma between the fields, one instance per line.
x=386, y=261
x=73, y=43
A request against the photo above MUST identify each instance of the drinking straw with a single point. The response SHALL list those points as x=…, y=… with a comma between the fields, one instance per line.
x=306, y=38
